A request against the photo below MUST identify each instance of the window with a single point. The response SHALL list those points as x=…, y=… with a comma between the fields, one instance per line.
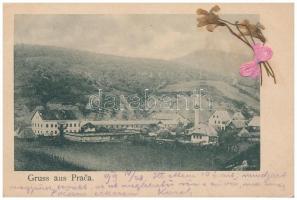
x=38, y=125
x=74, y=124
x=56, y=125
x=55, y=132
x=41, y=125
x=215, y=121
x=52, y=125
x=46, y=125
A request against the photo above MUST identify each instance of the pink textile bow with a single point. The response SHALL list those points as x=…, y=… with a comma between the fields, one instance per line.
x=261, y=54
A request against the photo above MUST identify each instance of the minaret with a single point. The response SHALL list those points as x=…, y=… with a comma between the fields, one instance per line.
x=197, y=116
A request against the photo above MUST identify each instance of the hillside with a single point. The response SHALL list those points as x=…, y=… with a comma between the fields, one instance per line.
x=215, y=61
x=47, y=75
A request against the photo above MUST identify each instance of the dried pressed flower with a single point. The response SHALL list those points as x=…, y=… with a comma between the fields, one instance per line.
x=253, y=30
x=208, y=18
x=262, y=53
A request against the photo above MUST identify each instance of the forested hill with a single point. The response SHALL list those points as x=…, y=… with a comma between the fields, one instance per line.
x=52, y=75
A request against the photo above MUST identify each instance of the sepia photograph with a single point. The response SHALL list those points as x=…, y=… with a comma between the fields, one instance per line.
x=140, y=92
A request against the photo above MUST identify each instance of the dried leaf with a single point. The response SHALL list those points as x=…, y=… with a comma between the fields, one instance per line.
x=202, y=21
x=215, y=8
x=208, y=18
x=201, y=12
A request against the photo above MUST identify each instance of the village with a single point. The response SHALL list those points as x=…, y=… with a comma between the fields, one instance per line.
x=159, y=127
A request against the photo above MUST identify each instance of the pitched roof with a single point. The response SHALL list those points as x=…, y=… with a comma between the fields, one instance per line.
x=238, y=116
x=255, y=121
x=57, y=115
x=238, y=123
x=89, y=125
x=222, y=114
x=205, y=129
x=244, y=133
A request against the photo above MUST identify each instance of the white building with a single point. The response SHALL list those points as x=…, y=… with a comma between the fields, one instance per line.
x=46, y=122
x=254, y=123
x=219, y=119
x=238, y=116
x=88, y=127
x=202, y=133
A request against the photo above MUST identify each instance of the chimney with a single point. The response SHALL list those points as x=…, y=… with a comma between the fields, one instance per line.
x=197, y=116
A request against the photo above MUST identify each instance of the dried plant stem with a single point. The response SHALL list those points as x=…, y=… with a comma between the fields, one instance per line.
x=250, y=33
x=233, y=33
x=243, y=38
x=273, y=75
x=261, y=78
x=266, y=69
x=237, y=26
x=241, y=33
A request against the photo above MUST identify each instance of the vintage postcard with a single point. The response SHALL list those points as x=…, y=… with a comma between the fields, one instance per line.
x=148, y=100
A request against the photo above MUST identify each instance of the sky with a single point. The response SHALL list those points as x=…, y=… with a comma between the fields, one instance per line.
x=167, y=36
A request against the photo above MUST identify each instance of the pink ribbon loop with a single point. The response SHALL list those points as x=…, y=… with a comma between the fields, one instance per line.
x=261, y=54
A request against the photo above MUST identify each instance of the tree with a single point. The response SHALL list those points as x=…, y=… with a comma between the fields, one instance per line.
x=229, y=140
x=62, y=127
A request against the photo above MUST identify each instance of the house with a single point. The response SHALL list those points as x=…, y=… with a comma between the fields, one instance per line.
x=171, y=124
x=238, y=116
x=204, y=133
x=254, y=129
x=219, y=119
x=88, y=127
x=46, y=122
x=254, y=124
x=244, y=134
x=236, y=124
